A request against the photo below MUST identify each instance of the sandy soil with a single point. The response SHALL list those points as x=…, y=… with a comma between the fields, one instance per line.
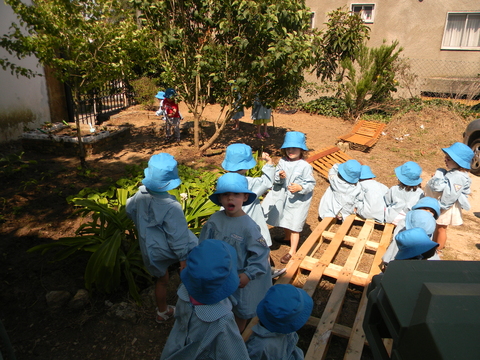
x=34, y=210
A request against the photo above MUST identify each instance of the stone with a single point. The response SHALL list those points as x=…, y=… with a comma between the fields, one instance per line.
x=57, y=298
x=80, y=300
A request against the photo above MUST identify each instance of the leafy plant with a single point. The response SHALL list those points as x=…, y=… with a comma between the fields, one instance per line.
x=327, y=106
x=145, y=90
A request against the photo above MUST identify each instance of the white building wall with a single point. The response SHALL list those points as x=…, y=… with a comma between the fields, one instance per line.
x=23, y=101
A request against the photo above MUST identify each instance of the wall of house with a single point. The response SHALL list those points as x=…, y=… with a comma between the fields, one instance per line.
x=418, y=25
x=23, y=102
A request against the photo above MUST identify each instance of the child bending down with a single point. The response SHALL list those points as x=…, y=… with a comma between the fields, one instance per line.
x=287, y=204
x=400, y=198
x=343, y=194
x=163, y=232
x=283, y=311
x=372, y=203
x=205, y=327
x=451, y=188
x=236, y=228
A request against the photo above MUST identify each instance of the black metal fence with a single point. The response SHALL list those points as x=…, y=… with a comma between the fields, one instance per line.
x=98, y=105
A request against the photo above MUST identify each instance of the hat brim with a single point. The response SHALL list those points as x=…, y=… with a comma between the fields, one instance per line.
x=294, y=144
x=155, y=185
x=244, y=165
x=292, y=326
x=251, y=197
x=428, y=203
x=345, y=176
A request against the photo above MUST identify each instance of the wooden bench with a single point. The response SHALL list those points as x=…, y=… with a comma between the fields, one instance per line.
x=364, y=135
x=321, y=266
x=323, y=160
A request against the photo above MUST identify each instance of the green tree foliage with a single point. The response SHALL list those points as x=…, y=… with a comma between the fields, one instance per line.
x=85, y=43
x=342, y=39
x=370, y=80
x=216, y=49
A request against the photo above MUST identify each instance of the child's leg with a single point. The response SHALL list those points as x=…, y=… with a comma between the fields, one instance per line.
x=440, y=236
x=288, y=234
x=241, y=323
x=161, y=292
x=294, y=240
x=259, y=135
x=265, y=132
x=176, y=124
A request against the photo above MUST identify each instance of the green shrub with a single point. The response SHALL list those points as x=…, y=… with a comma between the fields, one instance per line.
x=145, y=90
x=327, y=106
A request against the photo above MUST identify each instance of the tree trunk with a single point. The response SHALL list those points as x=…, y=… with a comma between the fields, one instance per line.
x=81, y=148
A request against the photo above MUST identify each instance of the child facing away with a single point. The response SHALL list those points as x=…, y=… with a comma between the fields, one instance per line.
x=236, y=228
x=415, y=244
x=341, y=197
x=400, y=198
x=172, y=115
x=414, y=219
x=283, y=311
x=451, y=187
x=261, y=117
x=287, y=204
x=205, y=326
x=163, y=232
x=371, y=204
x=239, y=159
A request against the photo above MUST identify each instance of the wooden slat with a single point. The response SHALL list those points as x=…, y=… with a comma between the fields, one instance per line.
x=364, y=133
x=323, y=160
x=319, y=343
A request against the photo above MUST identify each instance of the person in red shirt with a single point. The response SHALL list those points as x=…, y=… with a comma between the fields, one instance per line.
x=172, y=115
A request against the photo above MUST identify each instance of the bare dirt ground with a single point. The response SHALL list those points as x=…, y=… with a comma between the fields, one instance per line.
x=34, y=210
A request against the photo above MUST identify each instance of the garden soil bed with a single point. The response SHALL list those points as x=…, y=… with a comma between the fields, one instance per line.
x=33, y=210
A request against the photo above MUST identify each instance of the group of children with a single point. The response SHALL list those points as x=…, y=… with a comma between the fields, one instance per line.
x=226, y=273
x=353, y=190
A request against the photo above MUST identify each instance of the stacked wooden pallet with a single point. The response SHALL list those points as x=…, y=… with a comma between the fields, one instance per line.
x=364, y=135
x=324, y=159
x=315, y=261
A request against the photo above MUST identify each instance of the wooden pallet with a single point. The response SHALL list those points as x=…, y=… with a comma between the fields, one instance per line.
x=323, y=160
x=317, y=268
x=364, y=135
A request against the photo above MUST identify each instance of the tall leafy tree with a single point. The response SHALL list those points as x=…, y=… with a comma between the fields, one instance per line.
x=85, y=43
x=218, y=49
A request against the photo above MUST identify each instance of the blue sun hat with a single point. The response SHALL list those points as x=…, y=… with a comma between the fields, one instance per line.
x=294, y=139
x=350, y=171
x=238, y=157
x=170, y=92
x=160, y=95
x=409, y=173
x=421, y=219
x=161, y=173
x=430, y=203
x=235, y=183
x=211, y=273
x=366, y=173
x=413, y=243
x=461, y=154
x=284, y=309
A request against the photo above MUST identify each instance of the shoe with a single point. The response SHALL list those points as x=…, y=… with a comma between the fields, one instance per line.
x=259, y=136
x=278, y=272
x=285, y=258
x=266, y=135
x=162, y=317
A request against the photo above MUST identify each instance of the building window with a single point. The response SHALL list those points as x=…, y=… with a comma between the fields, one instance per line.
x=462, y=31
x=366, y=11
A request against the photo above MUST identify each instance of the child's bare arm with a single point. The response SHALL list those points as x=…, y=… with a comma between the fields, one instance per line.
x=266, y=157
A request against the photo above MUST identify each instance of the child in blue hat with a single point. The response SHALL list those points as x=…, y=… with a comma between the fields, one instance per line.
x=451, y=187
x=161, y=97
x=400, y=198
x=414, y=219
x=371, y=202
x=415, y=244
x=163, y=232
x=283, y=311
x=205, y=326
x=172, y=115
x=341, y=197
x=239, y=159
x=235, y=227
x=287, y=204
